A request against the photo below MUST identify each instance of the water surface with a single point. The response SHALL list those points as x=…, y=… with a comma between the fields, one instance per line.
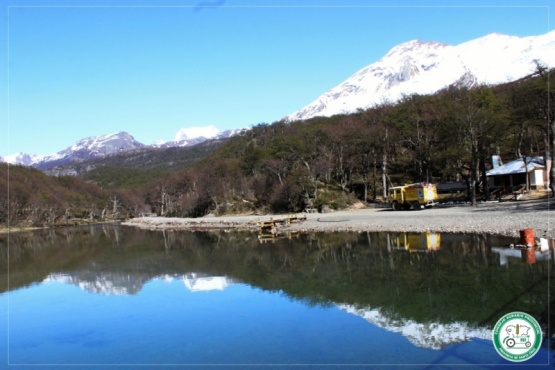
x=109, y=295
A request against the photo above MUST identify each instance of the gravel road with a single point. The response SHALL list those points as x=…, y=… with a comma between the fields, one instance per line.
x=495, y=218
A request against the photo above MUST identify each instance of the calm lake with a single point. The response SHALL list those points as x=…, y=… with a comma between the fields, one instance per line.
x=94, y=296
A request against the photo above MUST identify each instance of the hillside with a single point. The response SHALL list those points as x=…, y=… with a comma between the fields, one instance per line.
x=28, y=197
x=331, y=162
x=321, y=163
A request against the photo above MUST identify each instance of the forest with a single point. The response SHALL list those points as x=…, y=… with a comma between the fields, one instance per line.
x=322, y=162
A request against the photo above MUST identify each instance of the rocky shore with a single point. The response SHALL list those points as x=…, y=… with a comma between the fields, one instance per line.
x=494, y=218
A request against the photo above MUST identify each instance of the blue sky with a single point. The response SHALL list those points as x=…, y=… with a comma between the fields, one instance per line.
x=75, y=69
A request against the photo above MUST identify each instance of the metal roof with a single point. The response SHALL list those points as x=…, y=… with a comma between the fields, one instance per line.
x=517, y=166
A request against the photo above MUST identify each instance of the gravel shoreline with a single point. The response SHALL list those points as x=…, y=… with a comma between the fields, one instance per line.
x=494, y=218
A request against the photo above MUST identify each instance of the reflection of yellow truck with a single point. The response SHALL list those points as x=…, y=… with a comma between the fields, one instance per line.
x=413, y=195
x=413, y=242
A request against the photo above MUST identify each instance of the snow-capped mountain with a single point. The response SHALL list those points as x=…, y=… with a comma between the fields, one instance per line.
x=103, y=145
x=100, y=146
x=189, y=133
x=419, y=67
x=22, y=158
x=89, y=148
x=196, y=135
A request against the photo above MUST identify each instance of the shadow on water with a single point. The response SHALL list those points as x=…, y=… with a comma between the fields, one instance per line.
x=421, y=278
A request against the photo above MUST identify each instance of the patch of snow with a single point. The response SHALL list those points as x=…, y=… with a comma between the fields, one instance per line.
x=188, y=133
x=21, y=158
x=157, y=143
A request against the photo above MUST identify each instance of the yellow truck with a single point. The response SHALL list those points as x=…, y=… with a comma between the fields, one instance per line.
x=413, y=196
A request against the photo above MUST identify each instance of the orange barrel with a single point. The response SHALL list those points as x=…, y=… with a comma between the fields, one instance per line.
x=527, y=237
x=528, y=255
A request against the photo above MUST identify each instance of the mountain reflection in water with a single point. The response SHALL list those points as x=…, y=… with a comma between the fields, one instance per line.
x=119, y=284
x=435, y=290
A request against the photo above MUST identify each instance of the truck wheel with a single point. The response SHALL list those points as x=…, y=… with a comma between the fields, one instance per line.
x=395, y=206
x=416, y=206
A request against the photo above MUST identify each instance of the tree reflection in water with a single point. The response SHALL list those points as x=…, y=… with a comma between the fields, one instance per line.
x=400, y=278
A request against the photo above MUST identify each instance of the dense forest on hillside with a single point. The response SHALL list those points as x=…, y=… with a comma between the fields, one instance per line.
x=287, y=167
x=322, y=162
x=28, y=197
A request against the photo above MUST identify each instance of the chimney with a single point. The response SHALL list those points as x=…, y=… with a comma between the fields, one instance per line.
x=496, y=161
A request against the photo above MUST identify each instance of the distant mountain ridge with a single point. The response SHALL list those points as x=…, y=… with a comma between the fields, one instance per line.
x=414, y=67
x=148, y=158
x=196, y=135
x=101, y=146
x=418, y=67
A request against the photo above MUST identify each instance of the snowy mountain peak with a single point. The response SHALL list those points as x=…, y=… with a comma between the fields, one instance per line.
x=425, y=67
x=414, y=46
x=89, y=148
x=190, y=133
x=106, y=144
x=195, y=135
x=21, y=158
x=100, y=146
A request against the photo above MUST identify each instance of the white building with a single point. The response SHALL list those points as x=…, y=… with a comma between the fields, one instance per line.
x=514, y=173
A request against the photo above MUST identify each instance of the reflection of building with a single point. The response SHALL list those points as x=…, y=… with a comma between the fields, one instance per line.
x=411, y=242
x=518, y=255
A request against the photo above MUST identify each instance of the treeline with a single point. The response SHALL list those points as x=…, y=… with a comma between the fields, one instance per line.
x=28, y=197
x=331, y=162
x=322, y=162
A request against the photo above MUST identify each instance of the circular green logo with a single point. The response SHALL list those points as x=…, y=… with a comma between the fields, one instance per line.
x=517, y=336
